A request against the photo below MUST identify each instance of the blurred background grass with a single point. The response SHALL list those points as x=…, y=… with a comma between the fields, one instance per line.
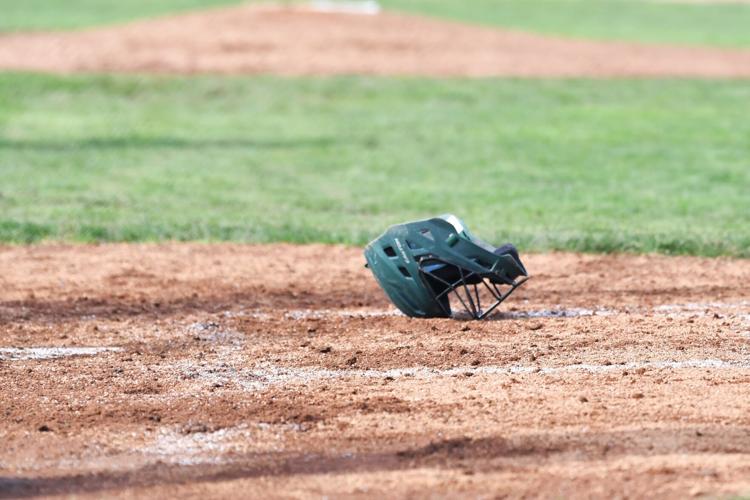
x=657, y=21
x=589, y=165
x=34, y=15
x=660, y=21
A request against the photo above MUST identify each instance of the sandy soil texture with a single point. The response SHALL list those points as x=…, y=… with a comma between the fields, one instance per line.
x=298, y=41
x=282, y=371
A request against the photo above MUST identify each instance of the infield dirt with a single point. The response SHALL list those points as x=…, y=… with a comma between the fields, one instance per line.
x=267, y=371
x=298, y=41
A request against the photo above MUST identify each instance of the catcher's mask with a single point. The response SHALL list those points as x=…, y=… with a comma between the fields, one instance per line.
x=424, y=265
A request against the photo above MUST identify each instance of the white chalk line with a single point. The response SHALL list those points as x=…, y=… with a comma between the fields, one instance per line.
x=269, y=375
x=741, y=309
x=40, y=353
x=212, y=332
x=302, y=314
x=298, y=314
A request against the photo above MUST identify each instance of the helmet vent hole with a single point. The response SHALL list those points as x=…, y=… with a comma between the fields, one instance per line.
x=389, y=251
x=412, y=245
x=427, y=234
x=404, y=271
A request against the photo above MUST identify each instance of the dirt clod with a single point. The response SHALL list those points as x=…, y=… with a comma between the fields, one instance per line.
x=193, y=428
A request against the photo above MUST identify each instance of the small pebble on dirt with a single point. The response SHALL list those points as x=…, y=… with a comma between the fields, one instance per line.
x=638, y=395
x=534, y=326
x=326, y=349
x=476, y=362
x=44, y=428
x=194, y=428
x=351, y=361
x=583, y=399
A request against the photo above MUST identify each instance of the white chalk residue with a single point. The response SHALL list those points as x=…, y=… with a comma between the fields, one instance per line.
x=269, y=375
x=740, y=310
x=214, y=333
x=341, y=313
x=20, y=353
x=702, y=306
x=194, y=448
x=575, y=312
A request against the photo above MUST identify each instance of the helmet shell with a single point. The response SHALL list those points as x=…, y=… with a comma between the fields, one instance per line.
x=398, y=256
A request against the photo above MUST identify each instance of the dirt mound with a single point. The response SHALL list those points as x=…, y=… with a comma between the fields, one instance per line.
x=297, y=41
x=259, y=370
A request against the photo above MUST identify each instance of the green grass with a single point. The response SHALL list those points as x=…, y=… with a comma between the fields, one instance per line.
x=70, y=14
x=641, y=20
x=577, y=165
x=636, y=20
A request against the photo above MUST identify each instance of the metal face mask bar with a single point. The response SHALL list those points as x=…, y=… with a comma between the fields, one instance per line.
x=466, y=288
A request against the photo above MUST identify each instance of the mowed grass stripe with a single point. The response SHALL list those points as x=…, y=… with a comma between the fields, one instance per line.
x=656, y=21
x=39, y=15
x=583, y=165
x=652, y=21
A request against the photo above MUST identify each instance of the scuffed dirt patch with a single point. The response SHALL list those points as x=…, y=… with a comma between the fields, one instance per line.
x=259, y=370
x=299, y=41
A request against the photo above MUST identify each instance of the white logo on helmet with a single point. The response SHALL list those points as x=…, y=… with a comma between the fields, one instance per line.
x=401, y=249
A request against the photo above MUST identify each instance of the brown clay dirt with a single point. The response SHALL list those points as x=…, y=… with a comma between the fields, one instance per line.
x=282, y=371
x=297, y=41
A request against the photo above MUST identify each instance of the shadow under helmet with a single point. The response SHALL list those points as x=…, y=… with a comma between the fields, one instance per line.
x=421, y=264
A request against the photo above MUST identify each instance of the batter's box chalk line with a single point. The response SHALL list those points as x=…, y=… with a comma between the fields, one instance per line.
x=269, y=375
x=693, y=308
x=39, y=353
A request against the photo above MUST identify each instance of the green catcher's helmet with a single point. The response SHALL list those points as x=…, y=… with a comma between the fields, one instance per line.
x=421, y=264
